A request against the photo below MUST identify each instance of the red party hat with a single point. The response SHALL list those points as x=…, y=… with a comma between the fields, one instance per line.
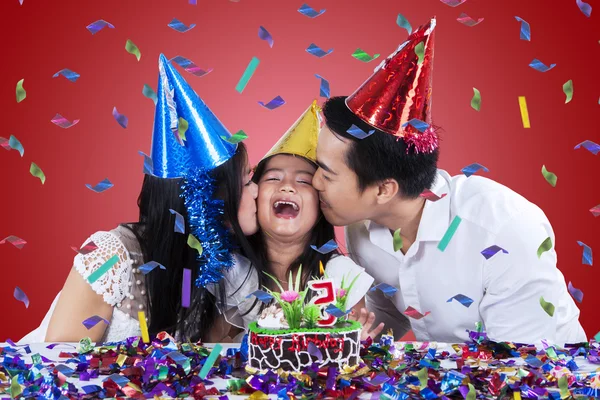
x=396, y=99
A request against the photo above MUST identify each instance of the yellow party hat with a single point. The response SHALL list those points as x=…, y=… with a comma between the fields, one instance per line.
x=301, y=138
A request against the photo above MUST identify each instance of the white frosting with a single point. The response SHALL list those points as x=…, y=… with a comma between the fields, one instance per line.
x=272, y=318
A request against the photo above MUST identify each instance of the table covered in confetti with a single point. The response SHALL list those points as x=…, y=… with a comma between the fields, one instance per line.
x=132, y=369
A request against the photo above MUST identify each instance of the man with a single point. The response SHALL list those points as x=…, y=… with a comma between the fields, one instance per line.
x=424, y=232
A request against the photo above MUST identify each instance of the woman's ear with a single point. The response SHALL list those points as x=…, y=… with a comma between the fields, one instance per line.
x=387, y=190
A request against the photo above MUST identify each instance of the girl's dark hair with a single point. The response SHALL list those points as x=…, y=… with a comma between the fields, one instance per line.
x=160, y=243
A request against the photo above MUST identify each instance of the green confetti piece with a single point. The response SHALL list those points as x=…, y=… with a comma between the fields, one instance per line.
x=597, y=337
x=236, y=138
x=547, y=306
x=37, y=172
x=472, y=395
x=210, y=361
x=85, y=346
x=420, y=52
x=476, y=100
x=182, y=128
x=544, y=247
x=397, y=240
x=21, y=93
x=149, y=93
x=36, y=358
x=402, y=22
x=194, y=243
x=15, y=388
x=568, y=90
x=97, y=274
x=363, y=56
x=422, y=375
x=250, y=69
x=449, y=233
x=550, y=177
x=133, y=49
x=563, y=385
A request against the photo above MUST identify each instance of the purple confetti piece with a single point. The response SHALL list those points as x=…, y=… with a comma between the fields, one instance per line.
x=326, y=248
x=310, y=12
x=335, y=311
x=468, y=21
x=264, y=34
x=359, y=133
x=97, y=26
x=179, y=221
x=86, y=249
x=193, y=2
x=225, y=397
x=100, y=186
x=473, y=168
x=21, y=2
x=387, y=290
x=576, y=293
x=525, y=29
x=148, y=164
x=378, y=379
x=416, y=123
x=261, y=295
x=315, y=352
x=453, y=3
x=462, y=299
x=273, y=104
x=15, y=241
x=67, y=73
x=51, y=346
x=491, y=251
x=585, y=8
x=149, y=266
x=540, y=66
x=120, y=118
x=324, y=88
x=586, y=259
x=63, y=122
x=186, y=287
x=590, y=146
x=317, y=51
x=21, y=296
x=189, y=66
x=180, y=26
x=93, y=321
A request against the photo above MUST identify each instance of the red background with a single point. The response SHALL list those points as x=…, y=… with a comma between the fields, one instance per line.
x=42, y=37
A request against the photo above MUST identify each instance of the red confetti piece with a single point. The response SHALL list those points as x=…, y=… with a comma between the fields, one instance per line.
x=86, y=249
x=429, y=195
x=468, y=21
x=61, y=121
x=15, y=241
x=595, y=210
x=21, y=296
x=453, y=3
x=413, y=313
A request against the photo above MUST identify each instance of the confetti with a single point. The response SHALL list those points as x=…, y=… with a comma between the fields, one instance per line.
x=568, y=90
x=590, y=146
x=67, y=73
x=586, y=258
x=420, y=52
x=326, y=248
x=468, y=21
x=261, y=295
x=21, y=94
x=525, y=29
x=93, y=321
x=317, y=51
x=416, y=123
x=63, y=122
x=264, y=34
x=547, y=306
x=179, y=221
x=86, y=248
x=15, y=241
x=236, y=138
x=12, y=143
x=193, y=2
x=473, y=168
x=190, y=66
x=387, y=290
x=492, y=251
x=186, y=288
x=97, y=26
x=150, y=266
x=336, y=312
x=422, y=375
x=453, y=3
x=429, y=195
x=260, y=395
x=314, y=351
x=411, y=312
x=549, y=176
x=182, y=127
x=462, y=299
x=21, y=296
x=120, y=118
x=359, y=133
x=576, y=293
x=524, y=112
x=250, y=69
x=97, y=274
x=143, y=327
x=585, y=8
x=540, y=66
x=148, y=92
x=398, y=244
x=148, y=165
x=179, y=26
x=544, y=247
x=100, y=186
x=402, y=22
x=194, y=243
x=449, y=233
x=37, y=172
x=361, y=55
x=310, y=12
x=595, y=210
x=476, y=100
x=324, y=88
x=210, y=361
x=273, y=104
x=131, y=48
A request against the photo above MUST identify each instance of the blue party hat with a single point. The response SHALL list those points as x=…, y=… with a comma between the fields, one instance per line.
x=202, y=146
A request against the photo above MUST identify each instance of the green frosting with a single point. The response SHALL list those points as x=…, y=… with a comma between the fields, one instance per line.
x=348, y=326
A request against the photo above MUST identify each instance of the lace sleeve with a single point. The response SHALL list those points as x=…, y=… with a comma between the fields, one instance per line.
x=113, y=285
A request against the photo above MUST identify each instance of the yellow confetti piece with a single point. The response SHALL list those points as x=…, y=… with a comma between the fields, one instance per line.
x=182, y=128
x=121, y=359
x=524, y=112
x=258, y=395
x=517, y=395
x=37, y=172
x=133, y=49
x=21, y=93
x=15, y=387
x=194, y=243
x=143, y=326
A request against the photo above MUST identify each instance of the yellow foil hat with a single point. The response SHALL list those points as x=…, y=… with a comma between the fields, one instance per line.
x=301, y=138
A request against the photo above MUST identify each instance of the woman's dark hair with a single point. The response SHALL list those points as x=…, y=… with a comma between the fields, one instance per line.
x=380, y=156
x=160, y=243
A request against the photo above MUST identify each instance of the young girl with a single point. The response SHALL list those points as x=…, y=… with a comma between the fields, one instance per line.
x=290, y=222
x=182, y=180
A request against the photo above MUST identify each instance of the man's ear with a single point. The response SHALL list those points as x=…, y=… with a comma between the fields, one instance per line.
x=387, y=190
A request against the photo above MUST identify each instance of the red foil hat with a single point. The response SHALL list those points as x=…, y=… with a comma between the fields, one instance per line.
x=399, y=92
